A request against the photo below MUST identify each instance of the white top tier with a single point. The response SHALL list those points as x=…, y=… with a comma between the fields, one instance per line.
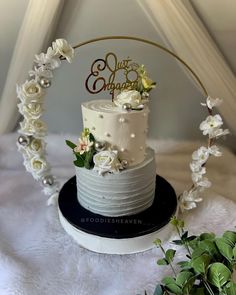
x=125, y=131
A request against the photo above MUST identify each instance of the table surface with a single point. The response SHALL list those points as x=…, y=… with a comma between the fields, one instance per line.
x=37, y=257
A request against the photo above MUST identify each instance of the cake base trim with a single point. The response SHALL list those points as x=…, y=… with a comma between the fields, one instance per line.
x=118, y=235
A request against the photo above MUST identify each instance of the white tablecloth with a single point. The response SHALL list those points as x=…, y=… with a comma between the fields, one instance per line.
x=37, y=257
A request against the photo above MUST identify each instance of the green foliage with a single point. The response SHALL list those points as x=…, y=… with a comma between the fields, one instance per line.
x=208, y=268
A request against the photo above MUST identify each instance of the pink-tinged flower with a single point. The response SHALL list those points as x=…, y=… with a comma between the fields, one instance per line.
x=83, y=146
x=212, y=102
x=211, y=124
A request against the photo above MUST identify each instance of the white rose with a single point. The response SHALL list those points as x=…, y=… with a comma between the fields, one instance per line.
x=30, y=91
x=33, y=127
x=37, y=166
x=32, y=110
x=37, y=146
x=106, y=161
x=63, y=48
x=132, y=97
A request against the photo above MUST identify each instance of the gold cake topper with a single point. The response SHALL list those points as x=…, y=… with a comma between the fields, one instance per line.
x=98, y=80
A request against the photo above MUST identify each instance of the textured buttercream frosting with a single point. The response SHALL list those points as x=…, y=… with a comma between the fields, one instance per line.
x=127, y=192
x=125, y=131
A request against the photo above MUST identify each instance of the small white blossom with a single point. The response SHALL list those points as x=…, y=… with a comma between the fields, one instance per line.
x=215, y=151
x=42, y=71
x=201, y=155
x=63, y=48
x=30, y=91
x=189, y=199
x=218, y=133
x=106, y=161
x=204, y=182
x=49, y=59
x=133, y=97
x=211, y=124
x=197, y=176
x=212, y=102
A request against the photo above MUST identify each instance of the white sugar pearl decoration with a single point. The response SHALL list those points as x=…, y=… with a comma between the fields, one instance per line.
x=122, y=149
x=127, y=107
x=132, y=135
x=144, y=114
x=124, y=163
x=23, y=140
x=141, y=148
x=100, y=116
x=107, y=134
x=47, y=180
x=122, y=120
x=100, y=145
x=44, y=82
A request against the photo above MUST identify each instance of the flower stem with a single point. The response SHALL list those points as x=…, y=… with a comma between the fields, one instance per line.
x=163, y=250
x=208, y=287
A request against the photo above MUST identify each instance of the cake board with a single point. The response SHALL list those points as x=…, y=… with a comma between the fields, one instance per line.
x=118, y=235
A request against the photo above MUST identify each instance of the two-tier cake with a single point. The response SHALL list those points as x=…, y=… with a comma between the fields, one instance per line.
x=114, y=208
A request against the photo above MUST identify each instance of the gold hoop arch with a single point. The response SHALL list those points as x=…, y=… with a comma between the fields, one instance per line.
x=150, y=43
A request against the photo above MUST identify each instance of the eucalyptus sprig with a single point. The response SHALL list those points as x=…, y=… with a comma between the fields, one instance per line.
x=208, y=269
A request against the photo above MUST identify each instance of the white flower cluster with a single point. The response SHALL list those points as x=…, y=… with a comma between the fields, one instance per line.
x=31, y=95
x=211, y=127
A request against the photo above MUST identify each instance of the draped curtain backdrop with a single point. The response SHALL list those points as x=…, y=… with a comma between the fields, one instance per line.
x=36, y=31
x=182, y=30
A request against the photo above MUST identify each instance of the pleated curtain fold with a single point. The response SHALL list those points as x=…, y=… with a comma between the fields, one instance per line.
x=36, y=31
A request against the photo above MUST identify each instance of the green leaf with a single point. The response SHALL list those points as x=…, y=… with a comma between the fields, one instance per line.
x=183, y=277
x=162, y=262
x=174, y=289
x=209, y=246
x=170, y=253
x=198, y=291
x=230, y=288
x=88, y=162
x=184, y=235
x=218, y=274
x=188, y=285
x=91, y=137
x=224, y=248
x=79, y=163
x=230, y=237
x=158, y=290
x=234, y=252
x=177, y=242
x=198, y=252
x=184, y=264
x=168, y=280
x=70, y=144
x=201, y=263
x=207, y=236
